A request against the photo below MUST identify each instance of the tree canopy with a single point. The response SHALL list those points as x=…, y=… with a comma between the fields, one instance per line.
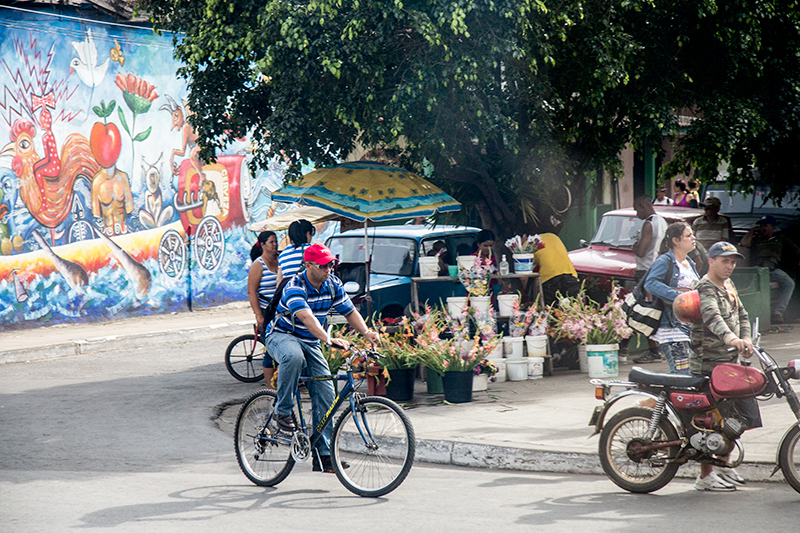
x=501, y=101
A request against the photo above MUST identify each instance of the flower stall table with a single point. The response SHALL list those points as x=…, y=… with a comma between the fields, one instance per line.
x=522, y=276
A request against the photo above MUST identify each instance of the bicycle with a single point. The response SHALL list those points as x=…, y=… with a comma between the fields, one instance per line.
x=372, y=446
x=244, y=357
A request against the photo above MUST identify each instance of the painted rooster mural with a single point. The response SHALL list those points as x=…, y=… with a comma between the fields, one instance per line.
x=46, y=183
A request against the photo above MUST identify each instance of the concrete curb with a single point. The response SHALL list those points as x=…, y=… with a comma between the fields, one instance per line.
x=120, y=342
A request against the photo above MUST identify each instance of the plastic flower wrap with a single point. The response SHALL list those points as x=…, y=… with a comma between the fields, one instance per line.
x=476, y=279
x=459, y=327
x=537, y=318
x=526, y=244
x=486, y=324
x=518, y=323
x=586, y=322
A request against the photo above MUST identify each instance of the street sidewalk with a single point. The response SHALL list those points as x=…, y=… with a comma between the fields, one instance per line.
x=539, y=425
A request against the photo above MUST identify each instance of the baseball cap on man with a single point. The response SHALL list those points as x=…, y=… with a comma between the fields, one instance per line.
x=767, y=219
x=319, y=254
x=712, y=201
x=723, y=248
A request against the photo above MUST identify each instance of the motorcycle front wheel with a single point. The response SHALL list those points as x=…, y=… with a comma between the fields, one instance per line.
x=789, y=457
x=622, y=459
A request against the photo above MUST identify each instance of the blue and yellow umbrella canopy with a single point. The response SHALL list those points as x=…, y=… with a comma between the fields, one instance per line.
x=366, y=190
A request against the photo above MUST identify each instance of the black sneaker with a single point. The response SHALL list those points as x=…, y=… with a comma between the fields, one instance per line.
x=323, y=463
x=285, y=422
x=649, y=357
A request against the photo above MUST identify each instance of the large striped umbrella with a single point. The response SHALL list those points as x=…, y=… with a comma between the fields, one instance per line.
x=365, y=190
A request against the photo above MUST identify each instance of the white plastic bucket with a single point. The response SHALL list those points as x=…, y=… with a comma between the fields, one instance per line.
x=497, y=353
x=456, y=305
x=512, y=347
x=480, y=303
x=505, y=304
x=523, y=262
x=466, y=261
x=429, y=267
x=537, y=345
x=582, y=359
x=480, y=382
x=517, y=369
x=501, y=375
x=602, y=360
x=535, y=367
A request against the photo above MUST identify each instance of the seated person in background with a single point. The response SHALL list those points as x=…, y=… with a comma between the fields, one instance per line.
x=662, y=198
x=769, y=250
x=440, y=250
x=712, y=227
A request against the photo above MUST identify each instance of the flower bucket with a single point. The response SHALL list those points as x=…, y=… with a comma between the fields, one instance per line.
x=501, y=375
x=505, y=304
x=512, y=347
x=537, y=345
x=582, y=359
x=497, y=353
x=602, y=360
x=535, y=367
x=480, y=383
x=523, y=262
x=401, y=384
x=466, y=261
x=456, y=305
x=458, y=386
x=480, y=303
x=517, y=369
x=434, y=382
x=429, y=267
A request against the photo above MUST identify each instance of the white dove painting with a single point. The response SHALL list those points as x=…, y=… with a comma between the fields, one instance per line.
x=85, y=65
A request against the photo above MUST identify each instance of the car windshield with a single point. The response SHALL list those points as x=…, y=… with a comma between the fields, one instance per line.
x=618, y=230
x=390, y=255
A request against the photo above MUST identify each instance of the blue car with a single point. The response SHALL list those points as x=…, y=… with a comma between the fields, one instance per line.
x=395, y=252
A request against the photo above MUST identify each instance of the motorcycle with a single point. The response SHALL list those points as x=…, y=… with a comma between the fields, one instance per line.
x=641, y=448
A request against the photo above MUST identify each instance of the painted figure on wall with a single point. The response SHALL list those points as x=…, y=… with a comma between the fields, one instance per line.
x=112, y=198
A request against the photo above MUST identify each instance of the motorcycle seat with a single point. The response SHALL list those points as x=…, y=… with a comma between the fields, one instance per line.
x=680, y=381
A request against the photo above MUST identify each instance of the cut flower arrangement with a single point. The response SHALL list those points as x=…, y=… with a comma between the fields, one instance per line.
x=586, y=322
x=476, y=279
x=526, y=244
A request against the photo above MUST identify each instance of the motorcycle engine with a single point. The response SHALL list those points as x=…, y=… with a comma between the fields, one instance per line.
x=713, y=443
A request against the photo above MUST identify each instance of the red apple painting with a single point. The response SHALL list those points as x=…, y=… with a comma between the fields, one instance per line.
x=105, y=138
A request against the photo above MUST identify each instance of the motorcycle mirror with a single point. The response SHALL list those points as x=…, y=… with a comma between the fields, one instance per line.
x=756, y=333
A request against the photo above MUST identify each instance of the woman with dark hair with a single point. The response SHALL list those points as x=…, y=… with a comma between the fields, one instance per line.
x=672, y=335
x=694, y=193
x=682, y=198
x=484, y=241
x=291, y=258
x=262, y=280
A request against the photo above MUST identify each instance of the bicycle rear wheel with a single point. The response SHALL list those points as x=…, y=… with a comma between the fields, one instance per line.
x=377, y=441
x=263, y=455
x=243, y=360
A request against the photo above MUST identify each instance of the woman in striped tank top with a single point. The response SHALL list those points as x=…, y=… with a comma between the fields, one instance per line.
x=264, y=275
x=291, y=258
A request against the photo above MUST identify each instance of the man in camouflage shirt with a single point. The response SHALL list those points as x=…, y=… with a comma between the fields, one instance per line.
x=725, y=325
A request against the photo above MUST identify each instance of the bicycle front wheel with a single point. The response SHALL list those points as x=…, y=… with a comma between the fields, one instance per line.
x=243, y=360
x=264, y=455
x=372, y=448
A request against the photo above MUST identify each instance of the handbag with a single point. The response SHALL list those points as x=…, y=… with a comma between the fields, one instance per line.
x=643, y=315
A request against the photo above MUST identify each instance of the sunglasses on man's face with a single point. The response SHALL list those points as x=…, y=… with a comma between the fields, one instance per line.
x=329, y=266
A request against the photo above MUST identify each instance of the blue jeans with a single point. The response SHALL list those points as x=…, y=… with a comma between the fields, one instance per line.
x=785, y=290
x=297, y=358
x=677, y=356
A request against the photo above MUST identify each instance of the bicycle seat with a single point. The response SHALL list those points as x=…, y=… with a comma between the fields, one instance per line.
x=682, y=381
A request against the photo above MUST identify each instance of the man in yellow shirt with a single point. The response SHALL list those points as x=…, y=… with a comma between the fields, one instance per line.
x=557, y=272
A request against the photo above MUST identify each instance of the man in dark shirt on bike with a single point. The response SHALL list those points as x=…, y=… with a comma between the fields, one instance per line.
x=293, y=341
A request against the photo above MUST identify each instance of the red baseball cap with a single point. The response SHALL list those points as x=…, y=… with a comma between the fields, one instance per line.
x=319, y=254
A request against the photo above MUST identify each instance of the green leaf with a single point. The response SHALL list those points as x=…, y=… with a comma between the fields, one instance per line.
x=143, y=135
x=123, y=121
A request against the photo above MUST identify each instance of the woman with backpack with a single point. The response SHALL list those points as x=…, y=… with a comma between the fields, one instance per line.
x=262, y=280
x=673, y=272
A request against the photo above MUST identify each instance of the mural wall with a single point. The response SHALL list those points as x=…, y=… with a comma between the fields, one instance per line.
x=105, y=208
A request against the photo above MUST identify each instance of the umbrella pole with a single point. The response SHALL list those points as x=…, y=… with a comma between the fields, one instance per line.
x=366, y=262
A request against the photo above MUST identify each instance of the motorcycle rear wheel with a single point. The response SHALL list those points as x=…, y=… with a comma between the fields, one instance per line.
x=789, y=457
x=632, y=471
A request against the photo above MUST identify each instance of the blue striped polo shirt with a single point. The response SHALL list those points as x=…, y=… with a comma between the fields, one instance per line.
x=291, y=259
x=299, y=294
x=267, y=285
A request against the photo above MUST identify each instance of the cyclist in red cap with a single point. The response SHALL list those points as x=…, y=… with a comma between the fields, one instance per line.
x=293, y=340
